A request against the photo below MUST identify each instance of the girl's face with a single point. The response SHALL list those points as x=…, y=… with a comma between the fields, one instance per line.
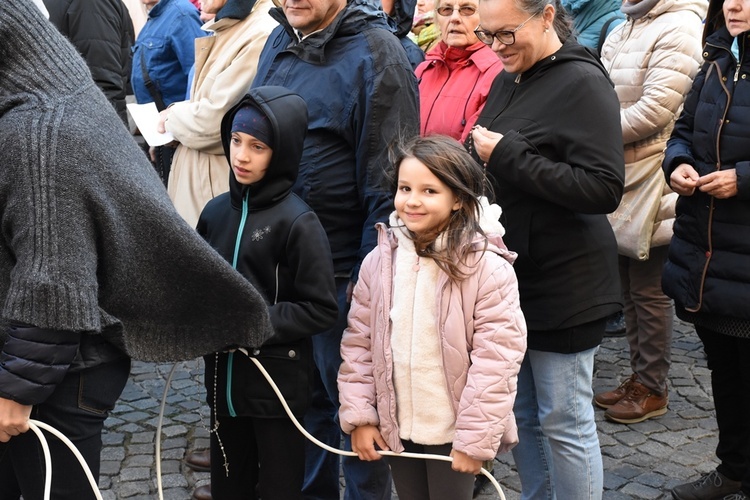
x=249, y=158
x=531, y=41
x=457, y=20
x=737, y=16
x=423, y=202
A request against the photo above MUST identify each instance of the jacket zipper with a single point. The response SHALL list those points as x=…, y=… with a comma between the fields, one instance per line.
x=712, y=203
x=230, y=359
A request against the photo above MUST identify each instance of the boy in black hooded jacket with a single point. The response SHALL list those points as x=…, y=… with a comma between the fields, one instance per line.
x=276, y=241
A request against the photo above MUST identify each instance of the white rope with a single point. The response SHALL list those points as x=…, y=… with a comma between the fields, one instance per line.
x=35, y=426
x=157, y=452
x=423, y=456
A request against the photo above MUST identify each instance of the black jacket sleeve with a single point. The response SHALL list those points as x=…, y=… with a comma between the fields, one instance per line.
x=33, y=361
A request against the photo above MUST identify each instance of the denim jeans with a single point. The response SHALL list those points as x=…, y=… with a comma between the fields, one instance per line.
x=558, y=453
x=364, y=480
x=78, y=408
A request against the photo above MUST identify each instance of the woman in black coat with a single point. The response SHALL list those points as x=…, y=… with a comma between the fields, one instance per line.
x=708, y=272
x=550, y=138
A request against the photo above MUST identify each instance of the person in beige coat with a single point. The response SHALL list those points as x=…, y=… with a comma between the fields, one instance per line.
x=652, y=59
x=225, y=66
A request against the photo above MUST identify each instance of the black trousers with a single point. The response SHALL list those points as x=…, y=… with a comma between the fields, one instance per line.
x=729, y=362
x=78, y=408
x=266, y=459
x=417, y=479
x=163, y=163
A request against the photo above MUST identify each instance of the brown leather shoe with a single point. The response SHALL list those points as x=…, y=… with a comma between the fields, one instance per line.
x=199, y=460
x=639, y=404
x=202, y=492
x=609, y=398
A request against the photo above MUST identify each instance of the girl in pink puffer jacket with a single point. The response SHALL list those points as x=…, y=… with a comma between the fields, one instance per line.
x=436, y=335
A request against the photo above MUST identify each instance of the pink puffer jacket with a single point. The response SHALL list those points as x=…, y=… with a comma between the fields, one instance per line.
x=483, y=335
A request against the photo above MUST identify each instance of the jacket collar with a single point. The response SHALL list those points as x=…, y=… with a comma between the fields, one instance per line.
x=356, y=17
x=723, y=40
x=157, y=9
x=571, y=50
x=479, y=54
x=235, y=9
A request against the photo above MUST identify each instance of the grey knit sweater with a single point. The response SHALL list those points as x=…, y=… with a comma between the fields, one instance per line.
x=89, y=240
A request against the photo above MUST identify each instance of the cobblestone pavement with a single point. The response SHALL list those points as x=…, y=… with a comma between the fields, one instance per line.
x=641, y=461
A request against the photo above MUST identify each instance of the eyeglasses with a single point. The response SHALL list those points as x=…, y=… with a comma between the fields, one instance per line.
x=464, y=10
x=503, y=36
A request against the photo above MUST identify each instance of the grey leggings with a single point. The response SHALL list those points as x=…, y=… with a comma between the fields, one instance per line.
x=418, y=479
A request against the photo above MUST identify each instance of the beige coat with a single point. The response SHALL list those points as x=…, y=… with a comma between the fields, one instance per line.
x=225, y=65
x=652, y=61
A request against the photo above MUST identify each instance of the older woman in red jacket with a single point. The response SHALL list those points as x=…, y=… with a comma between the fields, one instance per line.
x=457, y=73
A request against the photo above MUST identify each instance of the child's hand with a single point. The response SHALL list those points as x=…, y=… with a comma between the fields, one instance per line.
x=364, y=439
x=463, y=463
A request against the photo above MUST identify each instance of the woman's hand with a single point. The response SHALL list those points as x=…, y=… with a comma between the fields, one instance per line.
x=14, y=419
x=463, y=463
x=720, y=184
x=364, y=439
x=684, y=180
x=163, y=115
x=484, y=141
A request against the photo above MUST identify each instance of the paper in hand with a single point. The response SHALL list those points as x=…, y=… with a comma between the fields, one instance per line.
x=146, y=117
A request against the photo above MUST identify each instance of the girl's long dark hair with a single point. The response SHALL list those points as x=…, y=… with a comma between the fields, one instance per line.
x=448, y=161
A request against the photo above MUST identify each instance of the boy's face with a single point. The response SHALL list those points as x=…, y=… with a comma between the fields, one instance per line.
x=249, y=158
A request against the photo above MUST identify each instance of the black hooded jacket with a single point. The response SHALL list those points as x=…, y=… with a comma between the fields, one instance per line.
x=276, y=241
x=557, y=172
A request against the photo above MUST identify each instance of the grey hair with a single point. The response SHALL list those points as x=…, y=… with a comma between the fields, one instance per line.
x=563, y=22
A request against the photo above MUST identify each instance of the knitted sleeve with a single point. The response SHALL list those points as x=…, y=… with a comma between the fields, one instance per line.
x=53, y=275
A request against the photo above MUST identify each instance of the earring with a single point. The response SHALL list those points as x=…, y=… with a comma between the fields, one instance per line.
x=546, y=30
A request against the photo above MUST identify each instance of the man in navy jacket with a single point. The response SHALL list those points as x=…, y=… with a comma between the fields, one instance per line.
x=361, y=93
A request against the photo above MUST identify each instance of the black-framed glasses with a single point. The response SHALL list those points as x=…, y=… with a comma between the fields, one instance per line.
x=506, y=37
x=464, y=10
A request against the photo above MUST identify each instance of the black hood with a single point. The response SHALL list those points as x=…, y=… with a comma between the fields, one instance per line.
x=287, y=113
x=571, y=51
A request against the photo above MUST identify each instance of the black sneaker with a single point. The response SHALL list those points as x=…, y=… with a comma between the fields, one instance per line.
x=737, y=496
x=480, y=481
x=712, y=486
x=615, y=325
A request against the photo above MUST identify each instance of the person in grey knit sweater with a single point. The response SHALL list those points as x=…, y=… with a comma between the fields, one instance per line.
x=96, y=266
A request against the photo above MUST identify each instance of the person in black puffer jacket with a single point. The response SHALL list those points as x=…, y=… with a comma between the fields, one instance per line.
x=707, y=274
x=96, y=265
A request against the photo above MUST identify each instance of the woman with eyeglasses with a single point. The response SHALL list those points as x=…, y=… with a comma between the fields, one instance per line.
x=457, y=74
x=550, y=139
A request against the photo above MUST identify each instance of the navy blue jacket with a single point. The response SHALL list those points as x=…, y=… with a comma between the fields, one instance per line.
x=361, y=95
x=708, y=270
x=275, y=240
